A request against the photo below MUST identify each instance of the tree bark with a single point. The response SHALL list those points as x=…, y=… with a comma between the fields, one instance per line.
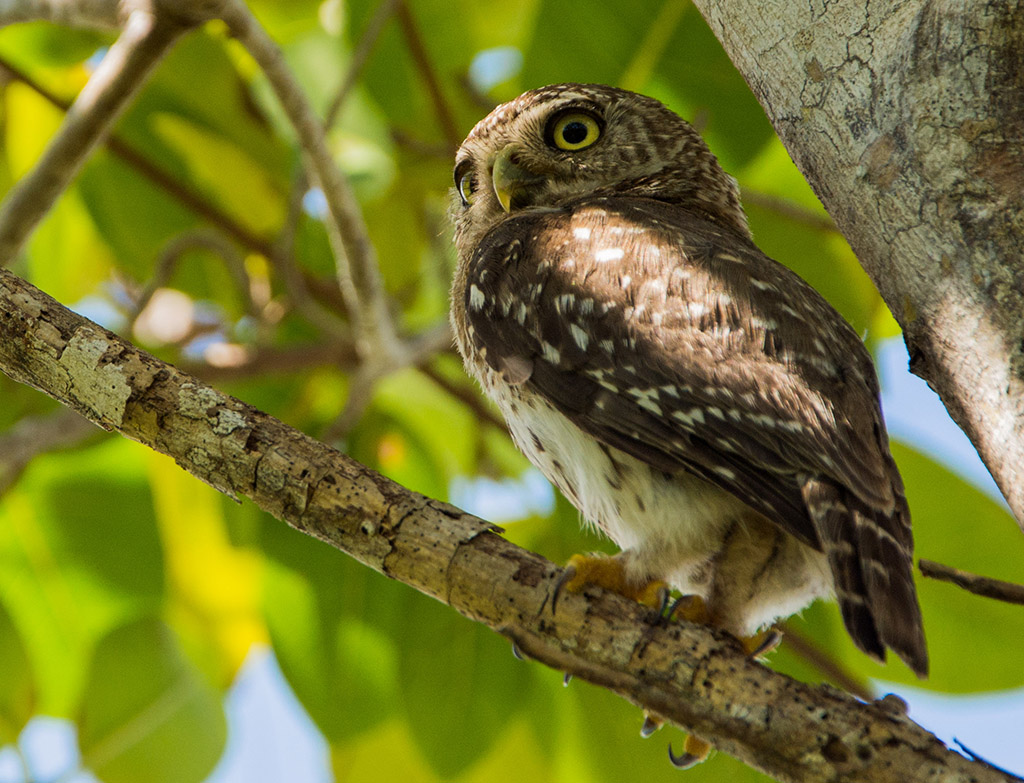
x=694, y=677
x=907, y=118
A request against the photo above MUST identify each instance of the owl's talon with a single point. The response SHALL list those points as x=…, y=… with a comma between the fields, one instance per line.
x=566, y=680
x=650, y=726
x=695, y=750
x=762, y=643
x=691, y=608
x=567, y=576
x=517, y=652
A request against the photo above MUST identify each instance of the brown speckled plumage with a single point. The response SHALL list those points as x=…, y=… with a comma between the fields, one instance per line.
x=698, y=402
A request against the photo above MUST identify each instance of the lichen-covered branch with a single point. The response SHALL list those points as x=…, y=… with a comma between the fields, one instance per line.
x=906, y=119
x=687, y=674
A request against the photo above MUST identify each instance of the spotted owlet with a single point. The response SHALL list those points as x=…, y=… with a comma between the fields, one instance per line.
x=697, y=402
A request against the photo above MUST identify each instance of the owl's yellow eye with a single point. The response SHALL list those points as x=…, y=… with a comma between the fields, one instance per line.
x=575, y=130
x=464, y=183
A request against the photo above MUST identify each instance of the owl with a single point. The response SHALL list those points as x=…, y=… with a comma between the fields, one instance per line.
x=699, y=403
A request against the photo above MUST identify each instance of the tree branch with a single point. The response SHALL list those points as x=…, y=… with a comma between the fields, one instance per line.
x=690, y=675
x=906, y=120
x=358, y=274
x=104, y=14
x=118, y=77
x=973, y=583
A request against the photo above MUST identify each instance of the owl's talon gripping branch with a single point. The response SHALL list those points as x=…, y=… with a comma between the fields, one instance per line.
x=608, y=572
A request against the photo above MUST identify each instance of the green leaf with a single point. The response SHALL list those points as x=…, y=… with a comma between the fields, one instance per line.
x=78, y=553
x=17, y=685
x=162, y=723
x=460, y=684
x=341, y=668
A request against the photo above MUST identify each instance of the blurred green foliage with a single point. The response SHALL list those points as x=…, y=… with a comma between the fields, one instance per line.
x=130, y=594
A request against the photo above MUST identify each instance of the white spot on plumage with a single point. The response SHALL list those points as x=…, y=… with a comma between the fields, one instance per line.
x=606, y=254
x=581, y=337
x=551, y=353
x=696, y=309
x=564, y=303
x=476, y=297
x=581, y=233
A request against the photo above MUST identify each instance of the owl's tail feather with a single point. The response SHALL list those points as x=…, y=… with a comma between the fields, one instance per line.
x=870, y=553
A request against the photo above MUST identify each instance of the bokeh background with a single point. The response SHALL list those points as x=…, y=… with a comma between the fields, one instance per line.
x=154, y=630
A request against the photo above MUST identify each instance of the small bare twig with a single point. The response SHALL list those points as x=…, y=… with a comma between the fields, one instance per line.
x=119, y=76
x=979, y=585
x=430, y=80
x=360, y=55
x=270, y=361
x=825, y=663
x=171, y=255
x=788, y=209
x=468, y=397
x=36, y=435
x=358, y=274
x=103, y=14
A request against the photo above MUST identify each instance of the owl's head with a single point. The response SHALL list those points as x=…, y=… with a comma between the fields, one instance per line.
x=557, y=144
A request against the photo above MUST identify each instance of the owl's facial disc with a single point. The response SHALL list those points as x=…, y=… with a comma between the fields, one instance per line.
x=511, y=182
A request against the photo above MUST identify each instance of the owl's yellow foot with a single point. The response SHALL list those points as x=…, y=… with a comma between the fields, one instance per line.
x=695, y=750
x=609, y=573
x=693, y=609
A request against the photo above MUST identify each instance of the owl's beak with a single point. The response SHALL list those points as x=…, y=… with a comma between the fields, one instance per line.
x=509, y=179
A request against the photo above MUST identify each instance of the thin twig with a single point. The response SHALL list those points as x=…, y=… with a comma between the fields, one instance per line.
x=290, y=274
x=36, y=435
x=430, y=80
x=825, y=663
x=102, y=14
x=973, y=583
x=360, y=55
x=272, y=361
x=358, y=274
x=119, y=76
x=467, y=397
x=173, y=252
x=788, y=209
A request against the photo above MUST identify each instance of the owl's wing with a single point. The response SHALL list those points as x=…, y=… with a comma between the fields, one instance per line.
x=686, y=347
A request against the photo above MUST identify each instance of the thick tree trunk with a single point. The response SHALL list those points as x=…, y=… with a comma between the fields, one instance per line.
x=907, y=118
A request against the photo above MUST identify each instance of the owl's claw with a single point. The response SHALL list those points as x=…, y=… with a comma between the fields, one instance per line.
x=762, y=643
x=568, y=575
x=517, y=652
x=695, y=750
x=650, y=726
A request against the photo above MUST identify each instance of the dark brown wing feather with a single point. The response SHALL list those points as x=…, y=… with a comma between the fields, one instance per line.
x=683, y=345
